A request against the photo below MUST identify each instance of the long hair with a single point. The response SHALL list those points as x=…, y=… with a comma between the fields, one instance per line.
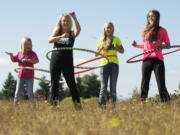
x=58, y=27
x=151, y=30
x=103, y=35
x=23, y=41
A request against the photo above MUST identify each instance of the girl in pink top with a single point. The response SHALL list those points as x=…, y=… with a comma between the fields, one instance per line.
x=153, y=36
x=25, y=58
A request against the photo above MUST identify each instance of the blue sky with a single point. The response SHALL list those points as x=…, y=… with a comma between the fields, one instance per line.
x=36, y=19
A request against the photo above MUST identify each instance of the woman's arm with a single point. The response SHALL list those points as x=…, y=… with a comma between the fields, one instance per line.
x=53, y=38
x=99, y=50
x=120, y=49
x=137, y=45
x=163, y=45
x=78, y=27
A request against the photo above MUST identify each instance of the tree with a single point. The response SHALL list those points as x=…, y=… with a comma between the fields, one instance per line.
x=9, y=87
x=80, y=87
x=43, y=90
x=135, y=93
x=61, y=93
x=88, y=85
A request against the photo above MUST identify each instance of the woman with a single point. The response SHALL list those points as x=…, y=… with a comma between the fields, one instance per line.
x=62, y=60
x=153, y=36
x=109, y=45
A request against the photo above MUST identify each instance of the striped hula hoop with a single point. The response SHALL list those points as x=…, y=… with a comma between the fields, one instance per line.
x=78, y=49
x=97, y=58
x=37, y=69
x=154, y=50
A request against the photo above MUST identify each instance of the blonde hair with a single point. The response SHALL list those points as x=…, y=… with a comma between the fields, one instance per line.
x=104, y=36
x=58, y=27
x=24, y=40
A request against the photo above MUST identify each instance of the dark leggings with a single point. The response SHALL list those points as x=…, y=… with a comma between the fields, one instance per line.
x=62, y=64
x=156, y=65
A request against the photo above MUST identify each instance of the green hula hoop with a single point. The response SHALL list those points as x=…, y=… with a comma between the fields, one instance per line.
x=79, y=49
x=37, y=69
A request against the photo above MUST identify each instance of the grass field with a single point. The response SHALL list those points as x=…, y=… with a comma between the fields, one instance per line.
x=127, y=118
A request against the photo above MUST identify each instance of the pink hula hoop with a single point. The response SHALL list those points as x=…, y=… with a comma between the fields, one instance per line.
x=85, y=62
x=150, y=51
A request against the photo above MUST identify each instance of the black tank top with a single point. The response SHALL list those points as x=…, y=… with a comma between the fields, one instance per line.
x=65, y=42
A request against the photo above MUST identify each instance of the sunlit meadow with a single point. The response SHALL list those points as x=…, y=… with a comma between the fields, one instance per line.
x=126, y=118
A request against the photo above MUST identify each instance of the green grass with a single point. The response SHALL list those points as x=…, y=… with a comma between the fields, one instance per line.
x=127, y=118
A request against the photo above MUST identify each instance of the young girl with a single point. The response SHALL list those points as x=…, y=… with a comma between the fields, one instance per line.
x=109, y=45
x=25, y=58
x=154, y=36
x=62, y=61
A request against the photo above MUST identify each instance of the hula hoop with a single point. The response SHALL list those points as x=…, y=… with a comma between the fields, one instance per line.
x=38, y=69
x=78, y=72
x=97, y=58
x=85, y=70
x=31, y=68
x=78, y=49
x=154, y=50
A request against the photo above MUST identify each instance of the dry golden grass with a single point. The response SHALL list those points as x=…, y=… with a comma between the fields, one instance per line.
x=127, y=118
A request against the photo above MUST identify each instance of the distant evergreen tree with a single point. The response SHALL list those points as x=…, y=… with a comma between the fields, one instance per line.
x=80, y=87
x=9, y=87
x=44, y=89
x=135, y=93
x=88, y=85
x=1, y=95
x=62, y=93
x=66, y=92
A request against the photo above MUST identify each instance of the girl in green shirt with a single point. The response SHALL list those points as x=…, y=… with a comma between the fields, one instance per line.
x=109, y=45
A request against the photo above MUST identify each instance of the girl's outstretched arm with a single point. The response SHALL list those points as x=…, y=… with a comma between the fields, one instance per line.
x=11, y=56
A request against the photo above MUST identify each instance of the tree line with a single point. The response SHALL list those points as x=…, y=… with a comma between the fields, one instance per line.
x=88, y=86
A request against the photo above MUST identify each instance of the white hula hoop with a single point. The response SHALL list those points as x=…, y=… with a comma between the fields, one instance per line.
x=37, y=69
